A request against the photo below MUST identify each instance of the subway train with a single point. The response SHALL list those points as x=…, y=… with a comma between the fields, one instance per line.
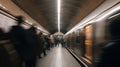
x=84, y=41
x=87, y=41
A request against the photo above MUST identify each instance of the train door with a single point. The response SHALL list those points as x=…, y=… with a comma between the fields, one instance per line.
x=88, y=32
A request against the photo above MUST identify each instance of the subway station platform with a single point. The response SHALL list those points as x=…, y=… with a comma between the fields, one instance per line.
x=58, y=57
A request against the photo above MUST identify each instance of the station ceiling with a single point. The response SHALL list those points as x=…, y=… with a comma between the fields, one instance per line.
x=45, y=12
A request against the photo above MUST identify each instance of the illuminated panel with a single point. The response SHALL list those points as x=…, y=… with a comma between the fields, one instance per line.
x=88, y=41
x=6, y=22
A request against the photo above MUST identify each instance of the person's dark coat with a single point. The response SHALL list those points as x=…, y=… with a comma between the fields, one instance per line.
x=21, y=42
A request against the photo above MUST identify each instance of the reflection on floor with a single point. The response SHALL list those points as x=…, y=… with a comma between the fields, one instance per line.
x=58, y=57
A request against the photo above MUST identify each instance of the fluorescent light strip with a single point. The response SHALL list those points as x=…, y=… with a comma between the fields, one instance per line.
x=58, y=10
x=114, y=16
x=108, y=13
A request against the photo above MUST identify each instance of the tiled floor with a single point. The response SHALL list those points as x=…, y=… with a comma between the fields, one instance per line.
x=58, y=57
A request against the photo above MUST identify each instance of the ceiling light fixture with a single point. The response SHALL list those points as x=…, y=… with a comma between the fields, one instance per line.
x=58, y=14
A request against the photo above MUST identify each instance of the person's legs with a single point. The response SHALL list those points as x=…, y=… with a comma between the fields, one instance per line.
x=44, y=52
x=30, y=63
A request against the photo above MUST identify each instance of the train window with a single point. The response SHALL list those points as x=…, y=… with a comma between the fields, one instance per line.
x=111, y=18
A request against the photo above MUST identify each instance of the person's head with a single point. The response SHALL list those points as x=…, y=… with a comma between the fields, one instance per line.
x=19, y=19
x=40, y=33
x=114, y=28
x=33, y=29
